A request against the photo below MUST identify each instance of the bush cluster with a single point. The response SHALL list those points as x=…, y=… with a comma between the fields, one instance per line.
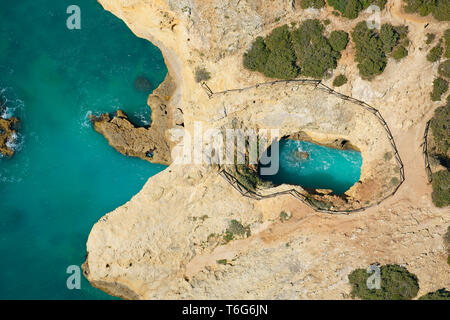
x=440, y=9
x=447, y=43
x=399, y=53
x=444, y=69
x=435, y=53
x=201, y=74
x=440, y=127
x=351, y=8
x=441, y=188
x=440, y=86
x=373, y=48
x=284, y=54
x=340, y=80
x=440, y=294
x=430, y=38
x=397, y=283
x=236, y=230
x=317, y=4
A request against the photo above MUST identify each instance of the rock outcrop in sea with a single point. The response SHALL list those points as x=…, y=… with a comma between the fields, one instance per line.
x=148, y=143
x=8, y=133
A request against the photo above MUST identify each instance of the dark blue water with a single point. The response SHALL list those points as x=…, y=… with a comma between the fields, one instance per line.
x=323, y=168
x=65, y=176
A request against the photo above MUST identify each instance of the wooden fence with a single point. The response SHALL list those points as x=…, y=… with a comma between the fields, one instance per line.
x=425, y=153
x=319, y=85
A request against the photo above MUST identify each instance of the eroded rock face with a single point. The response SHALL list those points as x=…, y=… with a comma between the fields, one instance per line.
x=161, y=244
x=145, y=143
x=7, y=135
x=148, y=143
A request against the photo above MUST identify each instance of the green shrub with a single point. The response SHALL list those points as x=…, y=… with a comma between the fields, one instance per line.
x=447, y=238
x=222, y=261
x=281, y=61
x=396, y=284
x=317, y=4
x=340, y=80
x=440, y=86
x=440, y=127
x=440, y=294
x=351, y=8
x=430, y=38
x=314, y=52
x=395, y=181
x=441, y=188
x=338, y=40
x=256, y=58
x=201, y=74
x=370, y=55
x=399, y=53
x=238, y=229
x=435, y=53
x=284, y=216
x=389, y=37
x=439, y=8
x=444, y=69
x=447, y=43
x=228, y=236
x=273, y=56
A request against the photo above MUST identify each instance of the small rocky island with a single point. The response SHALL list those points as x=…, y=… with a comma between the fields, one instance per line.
x=8, y=131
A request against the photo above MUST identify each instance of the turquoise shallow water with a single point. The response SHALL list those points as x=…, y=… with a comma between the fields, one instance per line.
x=65, y=176
x=325, y=168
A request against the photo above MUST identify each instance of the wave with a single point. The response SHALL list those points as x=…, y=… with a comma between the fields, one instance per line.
x=9, y=103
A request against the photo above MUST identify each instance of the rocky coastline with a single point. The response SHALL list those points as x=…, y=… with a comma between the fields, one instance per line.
x=162, y=244
x=8, y=132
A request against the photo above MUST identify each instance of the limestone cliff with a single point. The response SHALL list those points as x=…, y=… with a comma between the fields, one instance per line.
x=166, y=241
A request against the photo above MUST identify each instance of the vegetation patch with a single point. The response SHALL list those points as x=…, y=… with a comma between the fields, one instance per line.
x=285, y=53
x=222, y=261
x=440, y=294
x=399, y=53
x=236, y=230
x=440, y=86
x=396, y=283
x=249, y=178
x=201, y=74
x=273, y=56
x=440, y=127
x=315, y=53
x=440, y=9
x=351, y=8
x=373, y=47
x=284, y=216
x=447, y=43
x=316, y=4
x=340, y=80
x=430, y=38
x=435, y=53
x=441, y=188
x=444, y=69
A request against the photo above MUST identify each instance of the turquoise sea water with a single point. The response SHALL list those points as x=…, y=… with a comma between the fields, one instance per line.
x=325, y=168
x=64, y=176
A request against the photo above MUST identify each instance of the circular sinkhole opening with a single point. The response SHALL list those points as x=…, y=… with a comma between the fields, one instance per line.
x=314, y=166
